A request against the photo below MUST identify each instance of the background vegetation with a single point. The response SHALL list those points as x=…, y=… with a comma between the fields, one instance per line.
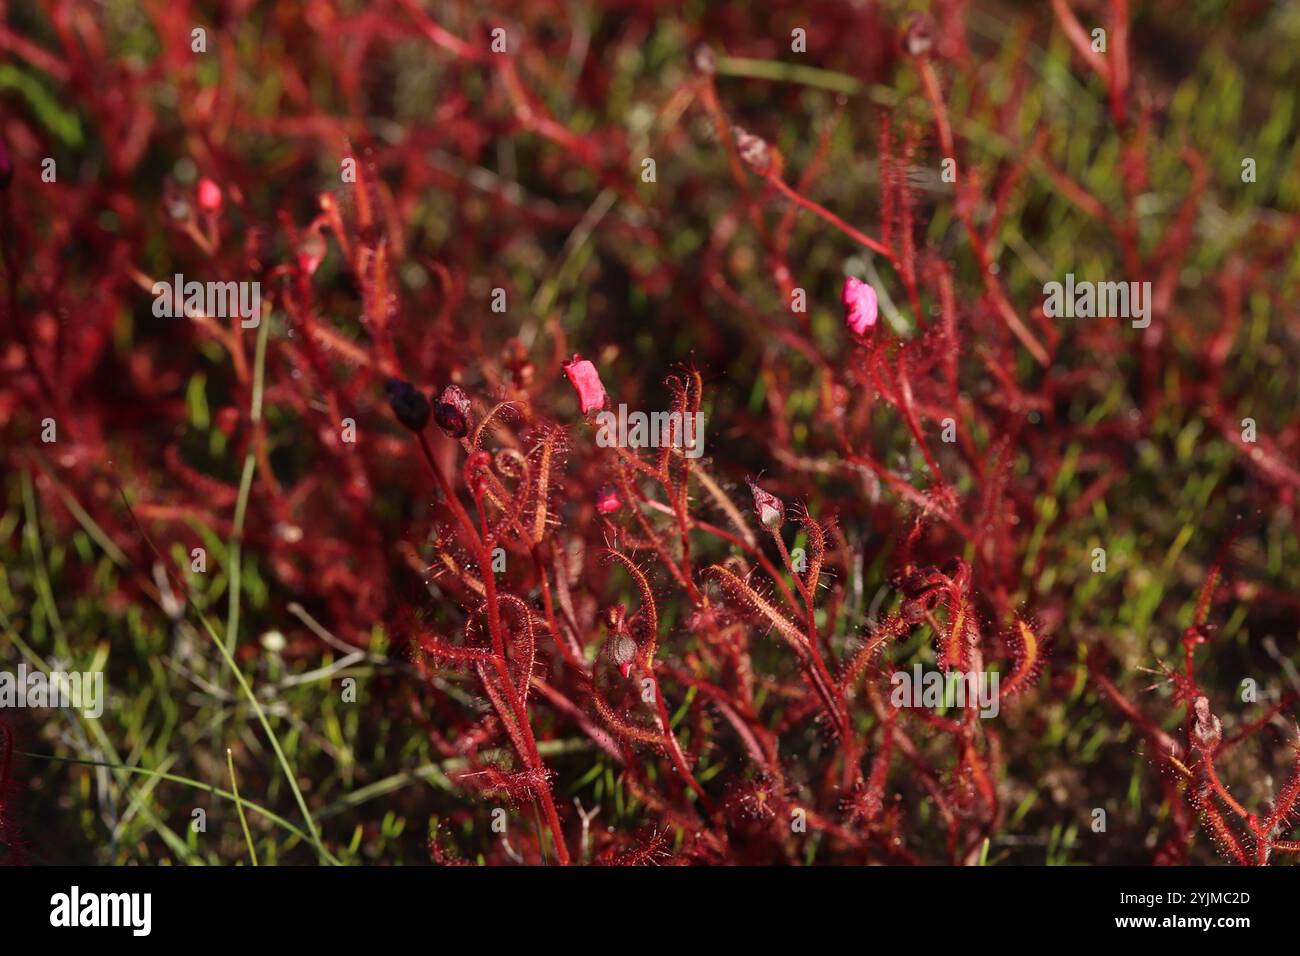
x=476, y=171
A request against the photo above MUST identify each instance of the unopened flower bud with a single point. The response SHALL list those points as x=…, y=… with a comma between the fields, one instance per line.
x=476, y=471
x=1207, y=731
x=227, y=420
x=706, y=61
x=311, y=251
x=918, y=40
x=515, y=357
x=209, y=195
x=753, y=150
x=175, y=200
x=608, y=501
x=768, y=507
x=452, y=411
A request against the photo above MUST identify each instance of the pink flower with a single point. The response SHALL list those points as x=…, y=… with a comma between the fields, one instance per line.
x=586, y=382
x=608, y=501
x=860, y=302
x=209, y=195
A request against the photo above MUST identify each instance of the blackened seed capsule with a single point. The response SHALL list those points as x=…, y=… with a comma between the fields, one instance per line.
x=408, y=403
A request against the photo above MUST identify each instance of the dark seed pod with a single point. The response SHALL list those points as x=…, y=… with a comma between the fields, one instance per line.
x=408, y=403
x=452, y=411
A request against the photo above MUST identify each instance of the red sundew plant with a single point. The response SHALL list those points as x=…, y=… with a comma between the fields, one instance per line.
x=1242, y=836
x=380, y=511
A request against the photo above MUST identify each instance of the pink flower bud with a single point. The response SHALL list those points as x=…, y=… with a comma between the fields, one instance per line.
x=753, y=150
x=706, y=61
x=586, y=382
x=477, y=468
x=452, y=411
x=311, y=251
x=608, y=501
x=918, y=38
x=768, y=507
x=1207, y=731
x=860, y=305
x=209, y=195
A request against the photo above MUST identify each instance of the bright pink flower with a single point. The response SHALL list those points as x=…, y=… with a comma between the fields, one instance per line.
x=586, y=382
x=860, y=304
x=209, y=195
x=608, y=501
